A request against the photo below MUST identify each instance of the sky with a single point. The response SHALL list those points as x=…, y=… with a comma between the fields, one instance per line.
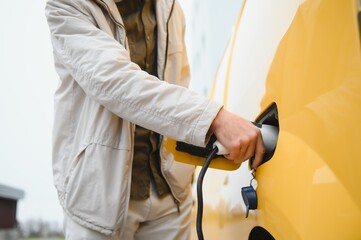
x=27, y=84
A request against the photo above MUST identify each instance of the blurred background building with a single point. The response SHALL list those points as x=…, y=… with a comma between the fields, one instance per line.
x=9, y=197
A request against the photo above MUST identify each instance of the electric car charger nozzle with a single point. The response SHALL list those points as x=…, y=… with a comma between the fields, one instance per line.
x=269, y=135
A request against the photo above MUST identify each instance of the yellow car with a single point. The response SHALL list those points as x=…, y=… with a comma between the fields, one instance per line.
x=295, y=64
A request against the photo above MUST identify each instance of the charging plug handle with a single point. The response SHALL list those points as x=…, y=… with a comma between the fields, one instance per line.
x=269, y=135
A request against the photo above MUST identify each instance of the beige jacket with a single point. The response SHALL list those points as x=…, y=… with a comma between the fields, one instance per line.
x=102, y=94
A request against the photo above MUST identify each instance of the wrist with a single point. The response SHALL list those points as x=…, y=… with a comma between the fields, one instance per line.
x=217, y=121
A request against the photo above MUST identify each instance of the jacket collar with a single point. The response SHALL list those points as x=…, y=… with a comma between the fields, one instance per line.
x=163, y=9
x=112, y=9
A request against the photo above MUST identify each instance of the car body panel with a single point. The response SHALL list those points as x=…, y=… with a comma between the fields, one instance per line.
x=305, y=57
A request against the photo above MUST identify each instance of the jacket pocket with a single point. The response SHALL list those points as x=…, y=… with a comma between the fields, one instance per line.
x=179, y=175
x=98, y=188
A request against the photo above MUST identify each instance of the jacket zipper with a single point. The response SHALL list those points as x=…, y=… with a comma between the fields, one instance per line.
x=114, y=20
x=166, y=47
x=176, y=200
x=166, y=54
x=110, y=14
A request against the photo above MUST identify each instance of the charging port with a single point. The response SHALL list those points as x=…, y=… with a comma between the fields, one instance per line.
x=269, y=116
x=270, y=129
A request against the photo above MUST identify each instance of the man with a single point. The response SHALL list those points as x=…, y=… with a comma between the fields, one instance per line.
x=119, y=65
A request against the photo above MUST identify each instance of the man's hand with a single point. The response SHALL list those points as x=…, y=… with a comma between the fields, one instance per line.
x=239, y=136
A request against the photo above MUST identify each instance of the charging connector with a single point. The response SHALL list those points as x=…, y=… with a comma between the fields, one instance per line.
x=269, y=135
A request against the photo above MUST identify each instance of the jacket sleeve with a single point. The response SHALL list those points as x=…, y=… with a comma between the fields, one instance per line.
x=102, y=67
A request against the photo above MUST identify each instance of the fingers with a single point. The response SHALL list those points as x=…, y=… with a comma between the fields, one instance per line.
x=259, y=153
x=238, y=153
x=239, y=136
x=251, y=148
x=247, y=148
x=246, y=152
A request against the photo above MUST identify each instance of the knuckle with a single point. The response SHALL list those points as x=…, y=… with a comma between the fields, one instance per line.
x=254, y=134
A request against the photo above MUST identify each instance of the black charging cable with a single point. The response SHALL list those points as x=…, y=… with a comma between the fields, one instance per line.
x=200, y=192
